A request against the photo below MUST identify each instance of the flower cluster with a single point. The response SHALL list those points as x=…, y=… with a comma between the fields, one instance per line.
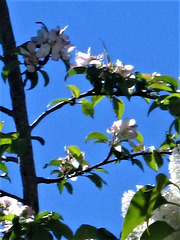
x=86, y=59
x=47, y=44
x=70, y=163
x=123, y=130
x=169, y=213
x=10, y=205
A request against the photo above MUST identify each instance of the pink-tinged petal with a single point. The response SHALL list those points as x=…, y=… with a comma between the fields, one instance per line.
x=31, y=46
x=43, y=51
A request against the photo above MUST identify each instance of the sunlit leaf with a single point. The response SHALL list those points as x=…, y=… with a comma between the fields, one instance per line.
x=154, y=160
x=137, y=211
x=96, y=99
x=139, y=137
x=76, y=70
x=1, y=125
x=157, y=231
x=74, y=90
x=160, y=86
x=76, y=152
x=3, y=167
x=87, y=108
x=99, y=137
x=60, y=100
x=167, y=79
x=118, y=106
x=100, y=170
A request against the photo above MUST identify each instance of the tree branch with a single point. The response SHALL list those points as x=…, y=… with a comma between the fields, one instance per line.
x=3, y=194
x=6, y=111
x=72, y=101
x=9, y=159
x=104, y=162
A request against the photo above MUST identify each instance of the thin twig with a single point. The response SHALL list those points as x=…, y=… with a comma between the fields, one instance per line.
x=9, y=159
x=72, y=100
x=6, y=111
x=104, y=162
x=3, y=194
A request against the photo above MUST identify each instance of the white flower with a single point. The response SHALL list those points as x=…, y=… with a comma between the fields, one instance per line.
x=43, y=51
x=124, y=70
x=86, y=59
x=10, y=205
x=124, y=130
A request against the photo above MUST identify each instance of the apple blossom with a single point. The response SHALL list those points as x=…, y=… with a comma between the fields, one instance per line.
x=86, y=59
x=123, y=130
x=10, y=205
x=124, y=70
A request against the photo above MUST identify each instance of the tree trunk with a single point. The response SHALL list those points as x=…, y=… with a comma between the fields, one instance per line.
x=27, y=166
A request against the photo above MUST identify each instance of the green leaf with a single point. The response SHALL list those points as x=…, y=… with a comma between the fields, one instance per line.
x=76, y=70
x=154, y=160
x=69, y=187
x=85, y=232
x=1, y=125
x=74, y=90
x=159, y=230
x=99, y=137
x=177, y=125
x=160, y=86
x=174, y=106
x=33, y=77
x=167, y=79
x=103, y=234
x=54, y=162
x=137, y=210
x=8, y=68
x=118, y=106
x=45, y=76
x=60, y=100
x=76, y=152
x=139, y=138
x=100, y=170
x=39, y=232
x=60, y=229
x=87, y=108
x=97, y=180
x=39, y=139
x=61, y=185
x=3, y=167
x=96, y=99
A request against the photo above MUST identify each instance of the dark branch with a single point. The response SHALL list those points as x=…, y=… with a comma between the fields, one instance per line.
x=3, y=194
x=104, y=162
x=72, y=101
x=6, y=111
x=9, y=159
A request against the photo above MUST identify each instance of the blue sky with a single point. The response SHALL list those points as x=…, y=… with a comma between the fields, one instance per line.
x=141, y=33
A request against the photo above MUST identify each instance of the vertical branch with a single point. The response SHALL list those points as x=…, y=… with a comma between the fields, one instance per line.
x=27, y=166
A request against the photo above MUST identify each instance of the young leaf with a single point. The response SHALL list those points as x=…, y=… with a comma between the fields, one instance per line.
x=76, y=152
x=61, y=185
x=3, y=167
x=74, y=90
x=96, y=99
x=39, y=139
x=1, y=125
x=61, y=100
x=167, y=79
x=99, y=137
x=118, y=106
x=76, y=70
x=160, y=86
x=157, y=230
x=154, y=160
x=87, y=108
x=139, y=138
